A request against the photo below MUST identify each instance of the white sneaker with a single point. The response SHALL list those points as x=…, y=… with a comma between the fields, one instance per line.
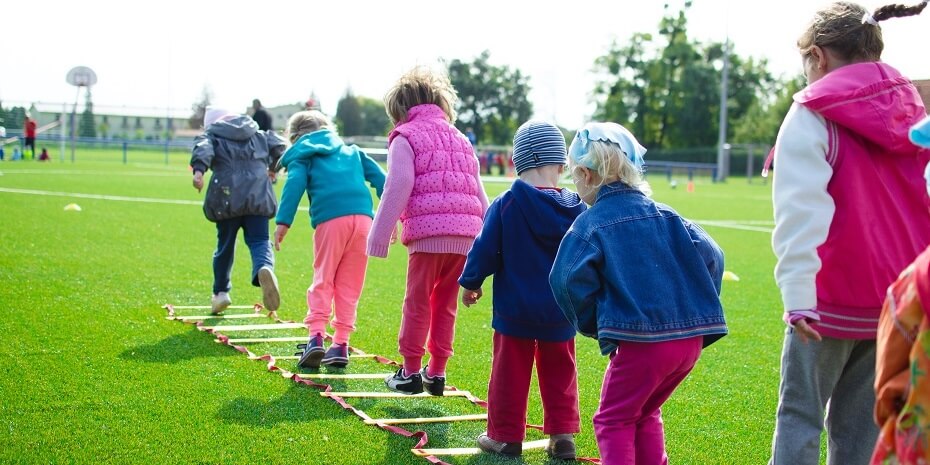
x=269, y=283
x=220, y=302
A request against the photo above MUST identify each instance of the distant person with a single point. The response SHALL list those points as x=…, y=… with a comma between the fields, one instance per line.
x=433, y=187
x=472, y=138
x=261, y=116
x=644, y=282
x=2, y=141
x=517, y=245
x=44, y=155
x=239, y=196
x=902, y=357
x=29, y=134
x=333, y=175
x=17, y=155
x=850, y=213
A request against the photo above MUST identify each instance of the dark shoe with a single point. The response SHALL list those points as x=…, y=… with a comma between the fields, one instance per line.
x=412, y=384
x=563, y=448
x=435, y=385
x=271, y=298
x=510, y=449
x=337, y=356
x=313, y=352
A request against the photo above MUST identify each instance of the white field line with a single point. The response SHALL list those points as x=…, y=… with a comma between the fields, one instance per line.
x=99, y=172
x=741, y=225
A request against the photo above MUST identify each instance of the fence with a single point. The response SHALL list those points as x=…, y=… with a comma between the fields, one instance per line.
x=96, y=149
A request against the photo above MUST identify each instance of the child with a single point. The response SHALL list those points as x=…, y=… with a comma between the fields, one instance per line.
x=44, y=155
x=433, y=188
x=847, y=184
x=239, y=197
x=521, y=234
x=644, y=282
x=333, y=176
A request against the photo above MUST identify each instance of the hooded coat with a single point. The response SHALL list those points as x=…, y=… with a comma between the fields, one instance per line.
x=240, y=155
x=518, y=243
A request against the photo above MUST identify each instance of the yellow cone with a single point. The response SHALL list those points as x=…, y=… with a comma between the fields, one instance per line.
x=72, y=207
x=730, y=276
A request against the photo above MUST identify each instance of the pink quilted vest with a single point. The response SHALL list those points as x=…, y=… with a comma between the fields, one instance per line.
x=882, y=218
x=444, y=200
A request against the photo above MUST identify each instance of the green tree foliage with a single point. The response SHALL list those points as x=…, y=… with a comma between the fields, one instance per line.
x=349, y=115
x=14, y=118
x=666, y=87
x=375, y=121
x=493, y=100
x=86, y=126
x=763, y=119
x=200, y=108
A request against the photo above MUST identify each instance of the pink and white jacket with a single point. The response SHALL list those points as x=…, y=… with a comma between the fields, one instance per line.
x=850, y=201
x=432, y=187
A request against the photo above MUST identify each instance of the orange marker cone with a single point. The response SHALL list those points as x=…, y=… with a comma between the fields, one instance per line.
x=690, y=186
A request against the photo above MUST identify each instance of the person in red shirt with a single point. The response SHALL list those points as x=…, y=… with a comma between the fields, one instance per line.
x=29, y=130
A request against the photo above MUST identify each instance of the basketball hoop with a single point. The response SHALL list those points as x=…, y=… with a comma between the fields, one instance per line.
x=81, y=76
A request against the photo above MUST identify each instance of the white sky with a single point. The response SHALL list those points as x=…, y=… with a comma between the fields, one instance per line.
x=161, y=54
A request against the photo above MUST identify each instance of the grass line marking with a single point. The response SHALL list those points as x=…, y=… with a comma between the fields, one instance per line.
x=446, y=419
x=343, y=375
x=219, y=317
x=393, y=395
x=292, y=357
x=538, y=444
x=227, y=328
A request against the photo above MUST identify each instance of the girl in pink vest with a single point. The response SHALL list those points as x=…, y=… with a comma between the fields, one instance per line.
x=433, y=188
x=850, y=213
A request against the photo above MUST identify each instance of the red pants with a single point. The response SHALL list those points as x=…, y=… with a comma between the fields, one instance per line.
x=430, y=306
x=508, y=389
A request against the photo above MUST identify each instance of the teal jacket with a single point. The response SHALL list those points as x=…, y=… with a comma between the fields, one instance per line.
x=333, y=174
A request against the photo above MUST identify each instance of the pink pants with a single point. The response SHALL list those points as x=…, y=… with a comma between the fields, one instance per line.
x=639, y=379
x=430, y=306
x=509, y=387
x=339, y=263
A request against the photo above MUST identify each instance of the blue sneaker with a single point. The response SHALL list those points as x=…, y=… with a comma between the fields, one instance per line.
x=313, y=352
x=337, y=356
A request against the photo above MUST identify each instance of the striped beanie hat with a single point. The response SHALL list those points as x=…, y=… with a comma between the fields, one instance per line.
x=537, y=143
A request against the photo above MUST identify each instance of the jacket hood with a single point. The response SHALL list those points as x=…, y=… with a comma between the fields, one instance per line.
x=540, y=208
x=239, y=128
x=317, y=143
x=870, y=99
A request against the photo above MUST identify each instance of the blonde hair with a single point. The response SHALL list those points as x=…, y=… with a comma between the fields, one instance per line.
x=419, y=86
x=305, y=122
x=841, y=27
x=611, y=164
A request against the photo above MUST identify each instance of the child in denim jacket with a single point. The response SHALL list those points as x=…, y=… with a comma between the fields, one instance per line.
x=643, y=281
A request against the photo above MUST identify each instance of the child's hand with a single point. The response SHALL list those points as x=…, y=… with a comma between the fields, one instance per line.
x=198, y=180
x=806, y=332
x=394, y=235
x=279, y=233
x=470, y=297
x=272, y=175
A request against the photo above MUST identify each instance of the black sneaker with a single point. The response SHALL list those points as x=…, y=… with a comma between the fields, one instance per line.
x=435, y=385
x=412, y=384
x=336, y=356
x=313, y=352
x=510, y=449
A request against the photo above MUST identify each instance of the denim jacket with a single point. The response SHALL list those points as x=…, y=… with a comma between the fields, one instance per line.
x=631, y=269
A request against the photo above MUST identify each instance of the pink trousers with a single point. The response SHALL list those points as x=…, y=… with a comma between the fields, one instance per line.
x=509, y=387
x=430, y=306
x=639, y=379
x=339, y=263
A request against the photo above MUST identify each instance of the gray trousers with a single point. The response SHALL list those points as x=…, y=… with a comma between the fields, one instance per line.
x=836, y=377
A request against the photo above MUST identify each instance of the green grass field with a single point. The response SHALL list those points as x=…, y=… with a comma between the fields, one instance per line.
x=92, y=372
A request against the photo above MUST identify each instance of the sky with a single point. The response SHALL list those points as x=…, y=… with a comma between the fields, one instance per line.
x=159, y=56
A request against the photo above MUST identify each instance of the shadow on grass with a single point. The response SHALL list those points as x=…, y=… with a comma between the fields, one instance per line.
x=178, y=348
x=298, y=404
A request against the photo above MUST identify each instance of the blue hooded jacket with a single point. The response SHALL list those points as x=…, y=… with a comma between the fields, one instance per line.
x=518, y=243
x=333, y=175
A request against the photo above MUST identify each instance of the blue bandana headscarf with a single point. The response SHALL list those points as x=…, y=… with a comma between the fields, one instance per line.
x=579, y=152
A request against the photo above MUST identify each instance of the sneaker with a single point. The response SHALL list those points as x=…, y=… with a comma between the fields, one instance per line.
x=269, y=283
x=220, y=302
x=412, y=384
x=510, y=449
x=337, y=356
x=435, y=385
x=561, y=448
x=313, y=352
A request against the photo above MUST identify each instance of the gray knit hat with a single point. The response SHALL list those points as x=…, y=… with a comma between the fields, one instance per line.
x=537, y=143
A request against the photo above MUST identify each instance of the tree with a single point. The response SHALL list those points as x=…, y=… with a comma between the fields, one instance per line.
x=375, y=121
x=493, y=100
x=349, y=115
x=763, y=119
x=86, y=125
x=200, y=108
x=666, y=88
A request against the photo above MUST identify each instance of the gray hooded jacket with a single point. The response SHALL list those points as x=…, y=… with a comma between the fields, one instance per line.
x=240, y=156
